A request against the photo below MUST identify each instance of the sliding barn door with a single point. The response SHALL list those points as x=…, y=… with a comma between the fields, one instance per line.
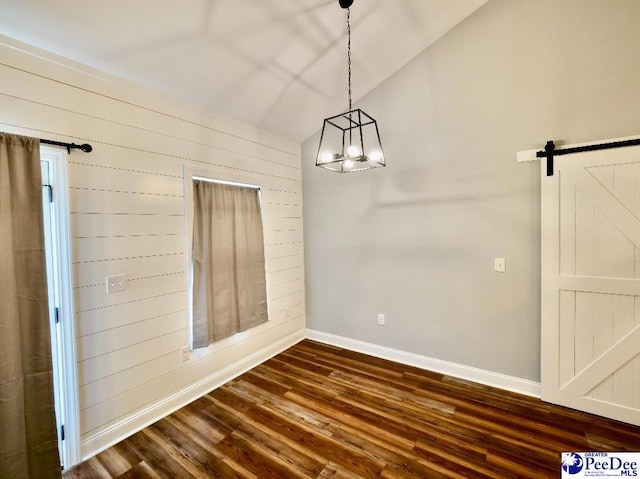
x=591, y=283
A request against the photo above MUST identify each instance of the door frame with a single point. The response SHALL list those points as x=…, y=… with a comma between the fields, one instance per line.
x=62, y=264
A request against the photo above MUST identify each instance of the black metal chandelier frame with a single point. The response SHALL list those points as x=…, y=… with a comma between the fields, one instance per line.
x=344, y=155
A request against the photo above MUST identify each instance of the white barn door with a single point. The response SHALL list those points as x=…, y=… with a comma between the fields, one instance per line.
x=591, y=283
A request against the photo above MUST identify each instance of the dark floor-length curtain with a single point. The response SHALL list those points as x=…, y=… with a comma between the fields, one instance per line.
x=28, y=439
x=229, y=279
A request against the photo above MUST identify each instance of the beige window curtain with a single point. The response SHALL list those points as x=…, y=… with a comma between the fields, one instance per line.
x=28, y=439
x=229, y=284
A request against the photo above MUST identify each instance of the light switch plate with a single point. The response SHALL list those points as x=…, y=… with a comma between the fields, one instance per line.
x=500, y=265
x=116, y=283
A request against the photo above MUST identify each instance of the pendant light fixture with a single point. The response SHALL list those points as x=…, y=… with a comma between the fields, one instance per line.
x=350, y=141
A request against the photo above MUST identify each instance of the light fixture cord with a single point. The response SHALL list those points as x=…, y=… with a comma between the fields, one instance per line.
x=349, y=52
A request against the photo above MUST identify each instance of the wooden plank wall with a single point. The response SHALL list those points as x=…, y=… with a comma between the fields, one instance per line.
x=127, y=216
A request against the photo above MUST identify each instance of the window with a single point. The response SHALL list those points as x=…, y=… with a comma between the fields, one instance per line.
x=227, y=261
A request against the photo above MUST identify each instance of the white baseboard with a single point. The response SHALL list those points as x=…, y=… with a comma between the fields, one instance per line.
x=489, y=378
x=115, y=433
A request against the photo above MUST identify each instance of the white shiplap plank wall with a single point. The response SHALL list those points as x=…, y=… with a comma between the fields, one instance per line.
x=127, y=216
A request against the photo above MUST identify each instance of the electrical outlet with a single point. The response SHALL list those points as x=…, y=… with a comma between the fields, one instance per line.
x=500, y=265
x=184, y=354
x=381, y=319
x=116, y=283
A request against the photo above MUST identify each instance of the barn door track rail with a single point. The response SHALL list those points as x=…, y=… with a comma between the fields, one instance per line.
x=550, y=151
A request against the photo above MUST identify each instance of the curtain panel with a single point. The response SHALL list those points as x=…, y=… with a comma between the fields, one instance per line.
x=229, y=279
x=28, y=439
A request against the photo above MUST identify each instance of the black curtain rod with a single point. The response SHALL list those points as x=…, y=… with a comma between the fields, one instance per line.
x=550, y=150
x=69, y=146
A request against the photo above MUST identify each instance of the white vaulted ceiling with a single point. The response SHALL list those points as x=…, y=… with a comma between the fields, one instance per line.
x=277, y=64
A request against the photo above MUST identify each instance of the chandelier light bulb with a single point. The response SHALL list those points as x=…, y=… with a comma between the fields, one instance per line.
x=376, y=155
x=326, y=157
x=353, y=151
x=348, y=164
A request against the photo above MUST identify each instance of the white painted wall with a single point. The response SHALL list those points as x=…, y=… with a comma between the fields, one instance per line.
x=417, y=240
x=127, y=216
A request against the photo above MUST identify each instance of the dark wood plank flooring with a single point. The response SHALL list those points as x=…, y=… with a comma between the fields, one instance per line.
x=316, y=411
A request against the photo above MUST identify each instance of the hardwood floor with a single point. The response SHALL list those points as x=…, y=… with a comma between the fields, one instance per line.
x=315, y=411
